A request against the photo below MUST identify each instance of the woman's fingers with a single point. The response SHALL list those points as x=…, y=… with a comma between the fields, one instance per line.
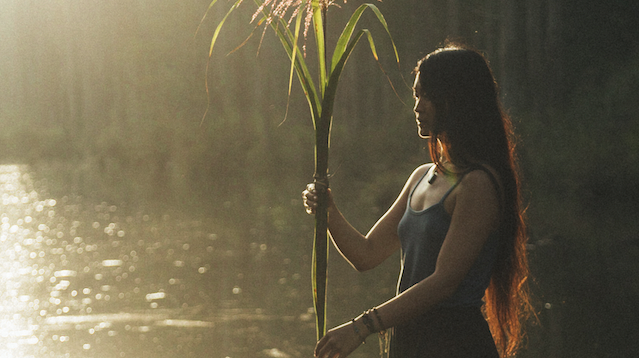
x=328, y=351
x=309, y=198
x=323, y=348
x=338, y=342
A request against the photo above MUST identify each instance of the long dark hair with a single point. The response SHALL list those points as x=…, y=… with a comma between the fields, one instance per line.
x=473, y=129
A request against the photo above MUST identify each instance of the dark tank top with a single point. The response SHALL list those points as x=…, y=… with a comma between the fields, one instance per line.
x=455, y=327
x=422, y=234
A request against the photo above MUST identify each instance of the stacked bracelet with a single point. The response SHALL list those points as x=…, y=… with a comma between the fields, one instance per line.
x=370, y=325
x=368, y=322
x=359, y=334
x=379, y=319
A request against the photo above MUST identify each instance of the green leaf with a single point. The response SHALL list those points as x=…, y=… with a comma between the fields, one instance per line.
x=318, y=26
x=204, y=17
x=303, y=74
x=298, y=22
x=345, y=37
x=382, y=20
x=289, y=43
x=371, y=44
x=331, y=87
x=221, y=24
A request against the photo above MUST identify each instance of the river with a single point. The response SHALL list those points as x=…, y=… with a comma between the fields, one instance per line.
x=92, y=279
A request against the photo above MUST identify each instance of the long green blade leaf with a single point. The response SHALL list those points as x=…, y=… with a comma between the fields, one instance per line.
x=371, y=43
x=302, y=72
x=221, y=24
x=304, y=75
x=280, y=27
x=382, y=20
x=318, y=26
x=331, y=87
x=298, y=22
x=345, y=37
x=204, y=17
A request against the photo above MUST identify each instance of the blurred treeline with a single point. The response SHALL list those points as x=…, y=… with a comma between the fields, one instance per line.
x=111, y=94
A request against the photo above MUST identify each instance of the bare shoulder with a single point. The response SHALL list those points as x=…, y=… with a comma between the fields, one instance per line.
x=480, y=190
x=484, y=180
x=420, y=170
x=418, y=173
x=411, y=182
x=481, y=178
x=478, y=200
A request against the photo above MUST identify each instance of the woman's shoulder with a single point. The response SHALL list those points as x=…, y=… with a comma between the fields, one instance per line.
x=416, y=175
x=420, y=171
x=482, y=175
x=482, y=179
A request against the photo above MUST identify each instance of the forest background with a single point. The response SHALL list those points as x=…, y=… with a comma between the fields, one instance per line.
x=111, y=94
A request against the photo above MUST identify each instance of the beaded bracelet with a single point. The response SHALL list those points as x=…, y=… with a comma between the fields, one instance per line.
x=368, y=322
x=359, y=334
x=379, y=319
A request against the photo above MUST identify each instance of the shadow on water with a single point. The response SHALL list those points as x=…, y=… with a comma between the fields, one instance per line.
x=81, y=279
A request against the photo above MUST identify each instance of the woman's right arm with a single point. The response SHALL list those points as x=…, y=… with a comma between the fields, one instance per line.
x=366, y=252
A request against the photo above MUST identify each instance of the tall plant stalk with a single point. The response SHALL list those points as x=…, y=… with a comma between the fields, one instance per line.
x=320, y=100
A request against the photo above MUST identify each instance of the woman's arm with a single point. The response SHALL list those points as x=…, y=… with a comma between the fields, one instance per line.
x=366, y=252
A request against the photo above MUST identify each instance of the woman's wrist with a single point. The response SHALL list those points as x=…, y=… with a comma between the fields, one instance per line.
x=360, y=330
x=370, y=321
x=378, y=318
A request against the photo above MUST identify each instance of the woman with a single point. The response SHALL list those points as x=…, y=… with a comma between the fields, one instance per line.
x=458, y=222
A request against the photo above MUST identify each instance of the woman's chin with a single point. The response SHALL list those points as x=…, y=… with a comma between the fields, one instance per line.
x=423, y=133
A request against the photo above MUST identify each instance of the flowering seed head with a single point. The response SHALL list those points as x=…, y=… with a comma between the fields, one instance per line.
x=278, y=9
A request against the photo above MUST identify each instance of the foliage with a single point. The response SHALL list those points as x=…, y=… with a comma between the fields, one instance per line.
x=320, y=100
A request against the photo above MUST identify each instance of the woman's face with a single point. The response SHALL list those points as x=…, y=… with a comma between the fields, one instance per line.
x=424, y=111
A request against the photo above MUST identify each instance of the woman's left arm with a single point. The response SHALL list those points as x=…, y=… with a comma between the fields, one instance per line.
x=475, y=216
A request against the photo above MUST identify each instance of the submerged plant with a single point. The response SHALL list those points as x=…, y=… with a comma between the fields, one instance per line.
x=281, y=15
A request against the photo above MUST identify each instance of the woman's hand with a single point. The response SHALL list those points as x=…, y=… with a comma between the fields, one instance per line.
x=309, y=197
x=341, y=341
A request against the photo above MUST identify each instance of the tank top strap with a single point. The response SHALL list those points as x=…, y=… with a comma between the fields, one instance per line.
x=485, y=170
x=410, y=196
x=451, y=188
x=462, y=175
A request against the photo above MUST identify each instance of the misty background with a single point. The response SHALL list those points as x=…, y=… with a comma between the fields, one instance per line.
x=105, y=101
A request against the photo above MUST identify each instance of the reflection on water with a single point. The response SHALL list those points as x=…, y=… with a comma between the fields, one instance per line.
x=85, y=280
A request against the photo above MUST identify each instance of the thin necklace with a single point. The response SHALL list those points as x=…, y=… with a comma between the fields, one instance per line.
x=432, y=177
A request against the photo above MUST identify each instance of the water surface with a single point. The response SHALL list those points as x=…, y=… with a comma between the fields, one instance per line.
x=92, y=279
